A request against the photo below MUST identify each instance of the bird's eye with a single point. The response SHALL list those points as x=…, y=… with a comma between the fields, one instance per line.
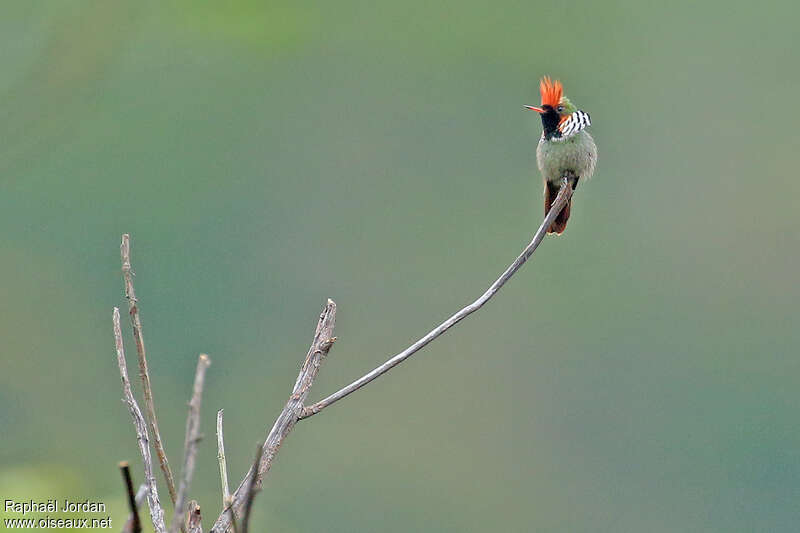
x=560, y=108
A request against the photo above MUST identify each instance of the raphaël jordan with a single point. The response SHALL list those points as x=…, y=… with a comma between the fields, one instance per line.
x=54, y=506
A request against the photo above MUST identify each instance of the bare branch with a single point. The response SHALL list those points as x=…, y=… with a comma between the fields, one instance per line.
x=136, y=524
x=223, y=472
x=234, y=528
x=251, y=491
x=190, y=443
x=144, y=373
x=141, y=493
x=230, y=515
x=156, y=512
x=564, y=195
x=195, y=519
x=320, y=346
x=240, y=503
x=223, y=469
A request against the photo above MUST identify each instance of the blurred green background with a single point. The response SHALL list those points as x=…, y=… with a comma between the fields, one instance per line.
x=640, y=374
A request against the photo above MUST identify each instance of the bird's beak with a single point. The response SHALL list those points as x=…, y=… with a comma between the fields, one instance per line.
x=532, y=108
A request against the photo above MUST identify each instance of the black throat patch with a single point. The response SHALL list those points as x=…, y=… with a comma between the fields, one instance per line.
x=550, y=119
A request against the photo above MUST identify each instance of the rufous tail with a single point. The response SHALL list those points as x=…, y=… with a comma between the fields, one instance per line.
x=550, y=192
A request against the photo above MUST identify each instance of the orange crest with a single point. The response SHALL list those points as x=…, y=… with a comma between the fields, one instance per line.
x=551, y=91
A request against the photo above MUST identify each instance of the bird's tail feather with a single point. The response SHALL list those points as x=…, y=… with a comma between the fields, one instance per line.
x=560, y=223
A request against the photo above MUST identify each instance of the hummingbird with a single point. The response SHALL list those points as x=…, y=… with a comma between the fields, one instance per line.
x=565, y=148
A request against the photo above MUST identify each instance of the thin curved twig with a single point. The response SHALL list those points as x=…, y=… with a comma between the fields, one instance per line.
x=564, y=194
x=323, y=340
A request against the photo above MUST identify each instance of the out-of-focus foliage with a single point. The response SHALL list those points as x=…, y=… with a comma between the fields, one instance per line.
x=641, y=374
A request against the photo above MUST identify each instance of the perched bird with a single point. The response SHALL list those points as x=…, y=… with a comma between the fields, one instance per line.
x=565, y=149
